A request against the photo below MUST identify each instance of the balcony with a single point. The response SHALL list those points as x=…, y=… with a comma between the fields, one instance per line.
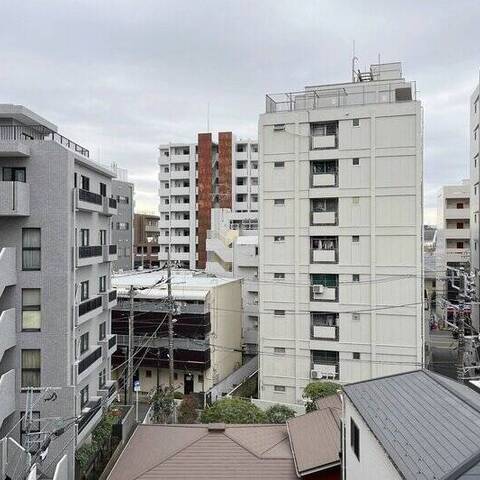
x=180, y=207
x=14, y=140
x=8, y=268
x=177, y=223
x=152, y=228
x=324, y=326
x=7, y=394
x=324, y=371
x=89, y=255
x=179, y=239
x=324, y=256
x=324, y=218
x=110, y=206
x=109, y=253
x=91, y=415
x=241, y=172
x=89, y=309
x=241, y=189
x=112, y=298
x=181, y=191
x=457, y=213
x=324, y=180
x=325, y=333
x=321, y=142
x=457, y=233
x=461, y=255
x=179, y=174
x=14, y=199
x=108, y=392
x=8, y=337
x=324, y=287
x=88, y=201
x=90, y=362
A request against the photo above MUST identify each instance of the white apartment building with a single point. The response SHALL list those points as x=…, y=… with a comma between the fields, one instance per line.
x=340, y=233
x=194, y=178
x=232, y=251
x=55, y=293
x=452, y=240
x=475, y=200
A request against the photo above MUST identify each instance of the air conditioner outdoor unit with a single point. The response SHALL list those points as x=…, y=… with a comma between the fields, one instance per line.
x=315, y=374
x=318, y=289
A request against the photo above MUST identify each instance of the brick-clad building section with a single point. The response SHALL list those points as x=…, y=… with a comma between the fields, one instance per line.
x=225, y=169
x=205, y=200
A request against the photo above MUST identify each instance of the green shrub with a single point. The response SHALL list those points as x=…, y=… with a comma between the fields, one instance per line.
x=279, y=414
x=233, y=410
x=187, y=410
x=315, y=390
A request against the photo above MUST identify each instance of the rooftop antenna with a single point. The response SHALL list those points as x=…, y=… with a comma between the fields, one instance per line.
x=354, y=59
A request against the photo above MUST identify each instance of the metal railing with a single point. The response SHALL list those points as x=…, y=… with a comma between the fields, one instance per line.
x=86, y=417
x=112, y=342
x=89, y=360
x=90, y=197
x=39, y=132
x=90, y=251
x=112, y=249
x=89, y=305
x=181, y=343
x=112, y=295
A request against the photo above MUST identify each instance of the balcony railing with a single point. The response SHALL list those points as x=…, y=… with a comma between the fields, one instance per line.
x=93, y=408
x=112, y=202
x=112, y=389
x=90, y=197
x=39, y=132
x=112, y=249
x=90, y=251
x=89, y=305
x=112, y=342
x=89, y=360
x=112, y=295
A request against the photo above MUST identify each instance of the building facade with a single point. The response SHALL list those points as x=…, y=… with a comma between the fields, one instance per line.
x=194, y=178
x=340, y=233
x=55, y=292
x=146, y=246
x=452, y=242
x=123, y=221
x=232, y=251
x=207, y=328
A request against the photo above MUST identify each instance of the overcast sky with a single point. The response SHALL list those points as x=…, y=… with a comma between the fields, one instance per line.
x=120, y=77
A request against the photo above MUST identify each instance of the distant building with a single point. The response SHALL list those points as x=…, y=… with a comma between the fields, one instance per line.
x=452, y=241
x=207, y=330
x=232, y=251
x=308, y=447
x=122, y=222
x=146, y=246
x=196, y=177
x=415, y=425
x=429, y=267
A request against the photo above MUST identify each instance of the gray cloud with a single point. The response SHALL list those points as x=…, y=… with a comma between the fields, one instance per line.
x=123, y=76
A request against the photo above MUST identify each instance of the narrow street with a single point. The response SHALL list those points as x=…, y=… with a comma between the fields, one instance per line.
x=444, y=352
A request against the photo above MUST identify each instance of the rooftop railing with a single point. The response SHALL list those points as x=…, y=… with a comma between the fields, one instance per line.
x=9, y=133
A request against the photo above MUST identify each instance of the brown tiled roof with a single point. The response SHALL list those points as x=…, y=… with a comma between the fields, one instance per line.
x=315, y=437
x=181, y=451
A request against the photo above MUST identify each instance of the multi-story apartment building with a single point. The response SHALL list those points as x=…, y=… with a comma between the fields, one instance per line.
x=475, y=200
x=146, y=246
x=55, y=291
x=452, y=241
x=232, y=251
x=122, y=222
x=340, y=233
x=194, y=178
x=207, y=328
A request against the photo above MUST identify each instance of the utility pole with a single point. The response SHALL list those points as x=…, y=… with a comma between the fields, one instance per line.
x=170, y=322
x=130, y=346
x=461, y=344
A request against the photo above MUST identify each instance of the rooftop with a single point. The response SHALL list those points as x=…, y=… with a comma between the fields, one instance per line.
x=428, y=425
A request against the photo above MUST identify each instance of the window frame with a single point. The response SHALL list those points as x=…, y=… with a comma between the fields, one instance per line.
x=84, y=342
x=32, y=249
x=355, y=438
x=32, y=308
x=36, y=370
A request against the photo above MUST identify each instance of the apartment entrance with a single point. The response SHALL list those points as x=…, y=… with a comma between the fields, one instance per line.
x=187, y=384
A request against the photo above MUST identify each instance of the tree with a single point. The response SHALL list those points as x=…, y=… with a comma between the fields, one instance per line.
x=187, y=411
x=279, y=414
x=163, y=405
x=233, y=410
x=315, y=390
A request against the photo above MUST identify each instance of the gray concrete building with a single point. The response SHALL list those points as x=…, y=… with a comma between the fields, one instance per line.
x=56, y=251
x=122, y=222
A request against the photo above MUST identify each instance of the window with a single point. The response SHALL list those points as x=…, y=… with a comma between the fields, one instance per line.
x=84, y=290
x=279, y=127
x=279, y=350
x=279, y=202
x=355, y=316
x=200, y=378
x=103, y=189
x=103, y=237
x=31, y=311
x=75, y=180
x=84, y=237
x=254, y=148
x=356, y=122
x=14, y=174
x=167, y=185
x=123, y=199
x=355, y=239
x=355, y=277
x=356, y=161
x=460, y=205
x=279, y=164
x=355, y=200
x=102, y=284
x=459, y=225
x=279, y=238
x=355, y=438
x=279, y=313
x=148, y=373
x=256, y=251
x=356, y=355
x=83, y=396
x=84, y=341
x=279, y=388
x=102, y=379
x=85, y=183
x=279, y=276
x=31, y=368
x=122, y=225
x=102, y=331
x=459, y=244
x=31, y=257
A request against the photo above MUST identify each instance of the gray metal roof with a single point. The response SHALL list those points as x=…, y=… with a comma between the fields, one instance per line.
x=427, y=424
